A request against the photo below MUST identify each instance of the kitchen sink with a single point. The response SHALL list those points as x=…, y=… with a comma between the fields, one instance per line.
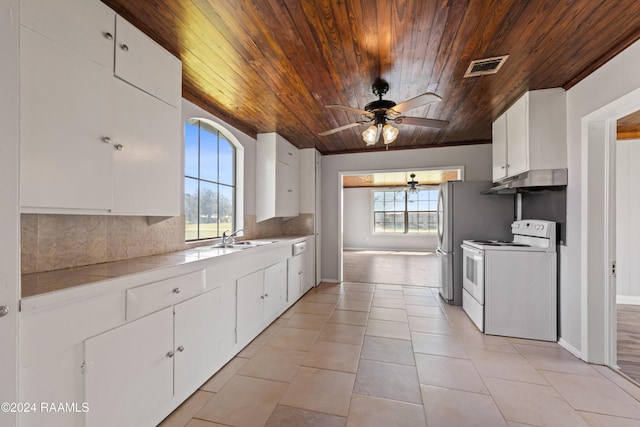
x=244, y=244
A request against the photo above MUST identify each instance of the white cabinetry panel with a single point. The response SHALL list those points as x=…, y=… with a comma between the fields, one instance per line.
x=531, y=134
x=66, y=109
x=85, y=27
x=249, y=303
x=147, y=172
x=198, y=340
x=146, y=65
x=275, y=289
x=277, y=178
x=129, y=373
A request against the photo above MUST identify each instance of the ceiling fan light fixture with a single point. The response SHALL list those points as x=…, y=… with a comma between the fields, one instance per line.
x=389, y=133
x=371, y=135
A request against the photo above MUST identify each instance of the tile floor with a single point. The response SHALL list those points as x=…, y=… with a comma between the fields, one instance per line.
x=369, y=355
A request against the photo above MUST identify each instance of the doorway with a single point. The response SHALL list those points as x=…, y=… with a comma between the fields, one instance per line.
x=627, y=246
x=389, y=225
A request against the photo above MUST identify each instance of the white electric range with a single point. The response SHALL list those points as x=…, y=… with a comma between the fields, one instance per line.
x=510, y=288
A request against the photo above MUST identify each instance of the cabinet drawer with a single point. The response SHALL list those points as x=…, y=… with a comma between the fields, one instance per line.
x=298, y=248
x=146, y=299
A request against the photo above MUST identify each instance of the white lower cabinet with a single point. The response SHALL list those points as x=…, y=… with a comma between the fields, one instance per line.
x=135, y=347
x=134, y=370
x=300, y=271
x=128, y=371
x=259, y=297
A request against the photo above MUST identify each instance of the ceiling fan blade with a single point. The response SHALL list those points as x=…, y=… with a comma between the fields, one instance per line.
x=352, y=109
x=418, y=101
x=341, y=128
x=420, y=121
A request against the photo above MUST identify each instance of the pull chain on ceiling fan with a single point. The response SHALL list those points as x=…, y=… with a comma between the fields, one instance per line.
x=382, y=111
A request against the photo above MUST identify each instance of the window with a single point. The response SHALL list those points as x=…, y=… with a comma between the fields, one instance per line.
x=209, y=182
x=402, y=211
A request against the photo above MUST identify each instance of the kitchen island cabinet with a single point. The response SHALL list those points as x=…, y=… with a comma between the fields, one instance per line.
x=165, y=330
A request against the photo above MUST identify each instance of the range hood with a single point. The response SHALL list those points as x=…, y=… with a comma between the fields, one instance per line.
x=534, y=180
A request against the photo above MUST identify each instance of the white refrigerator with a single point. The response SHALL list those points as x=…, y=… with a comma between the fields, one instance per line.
x=464, y=213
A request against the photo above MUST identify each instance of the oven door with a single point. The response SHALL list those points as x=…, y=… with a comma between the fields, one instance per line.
x=473, y=273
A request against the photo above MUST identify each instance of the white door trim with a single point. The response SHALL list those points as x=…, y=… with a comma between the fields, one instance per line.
x=597, y=288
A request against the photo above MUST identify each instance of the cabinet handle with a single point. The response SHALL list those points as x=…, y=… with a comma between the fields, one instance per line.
x=181, y=349
x=4, y=310
x=503, y=167
x=176, y=290
x=508, y=166
x=299, y=273
x=289, y=191
x=266, y=295
x=119, y=147
x=170, y=354
x=107, y=35
x=261, y=296
x=124, y=47
x=291, y=154
x=106, y=140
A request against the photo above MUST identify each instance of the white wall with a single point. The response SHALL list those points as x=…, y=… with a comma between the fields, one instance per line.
x=475, y=158
x=627, y=214
x=358, y=227
x=583, y=262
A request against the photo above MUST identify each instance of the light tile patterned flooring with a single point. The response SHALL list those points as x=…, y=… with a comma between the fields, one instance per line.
x=371, y=355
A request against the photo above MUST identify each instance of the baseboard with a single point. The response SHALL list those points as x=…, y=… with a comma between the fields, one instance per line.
x=570, y=348
x=329, y=281
x=624, y=299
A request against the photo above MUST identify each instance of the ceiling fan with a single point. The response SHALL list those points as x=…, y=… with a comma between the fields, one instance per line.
x=382, y=111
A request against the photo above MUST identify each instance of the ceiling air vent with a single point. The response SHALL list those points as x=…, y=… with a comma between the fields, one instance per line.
x=480, y=67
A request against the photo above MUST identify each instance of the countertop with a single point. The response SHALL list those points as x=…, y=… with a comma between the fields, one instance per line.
x=35, y=284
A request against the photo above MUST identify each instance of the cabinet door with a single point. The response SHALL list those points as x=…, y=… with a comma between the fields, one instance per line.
x=128, y=372
x=518, y=137
x=287, y=185
x=84, y=27
x=66, y=107
x=147, y=65
x=275, y=289
x=499, y=147
x=147, y=172
x=308, y=270
x=294, y=278
x=198, y=340
x=249, y=305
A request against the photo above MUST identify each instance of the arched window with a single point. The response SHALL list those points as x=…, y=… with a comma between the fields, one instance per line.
x=209, y=182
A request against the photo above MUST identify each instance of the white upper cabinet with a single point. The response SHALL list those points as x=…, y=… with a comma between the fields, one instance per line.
x=277, y=177
x=84, y=27
x=146, y=65
x=66, y=109
x=531, y=134
x=147, y=171
x=91, y=143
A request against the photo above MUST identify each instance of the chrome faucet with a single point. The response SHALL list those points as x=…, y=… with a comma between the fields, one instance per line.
x=231, y=238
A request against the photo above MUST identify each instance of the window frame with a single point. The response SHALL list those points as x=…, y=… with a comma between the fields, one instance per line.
x=236, y=187
x=406, y=231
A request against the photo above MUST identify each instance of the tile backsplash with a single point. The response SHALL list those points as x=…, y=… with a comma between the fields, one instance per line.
x=54, y=242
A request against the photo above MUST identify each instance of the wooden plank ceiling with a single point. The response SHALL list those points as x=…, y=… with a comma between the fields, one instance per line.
x=273, y=65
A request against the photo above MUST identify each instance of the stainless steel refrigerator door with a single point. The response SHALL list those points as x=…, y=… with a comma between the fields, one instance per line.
x=445, y=274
